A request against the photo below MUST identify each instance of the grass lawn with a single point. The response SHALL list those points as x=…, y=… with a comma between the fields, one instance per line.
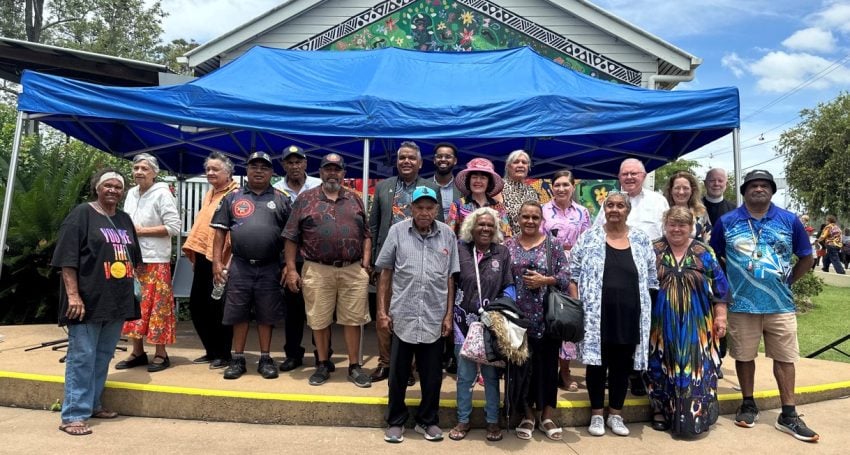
x=828, y=321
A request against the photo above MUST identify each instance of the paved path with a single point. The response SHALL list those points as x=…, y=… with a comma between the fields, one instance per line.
x=35, y=432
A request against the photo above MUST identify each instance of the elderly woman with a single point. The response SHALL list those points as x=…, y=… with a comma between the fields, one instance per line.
x=688, y=317
x=478, y=183
x=154, y=212
x=537, y=262
x=516, y=191
x=612, y=271
x=208, y=312
x=485, y=266
x=565, y=219
x=97, y=251
x=682, y=190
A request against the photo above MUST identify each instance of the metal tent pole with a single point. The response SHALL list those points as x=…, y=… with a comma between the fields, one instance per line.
x=10, y=186
x=736, y=153
x=365, y=187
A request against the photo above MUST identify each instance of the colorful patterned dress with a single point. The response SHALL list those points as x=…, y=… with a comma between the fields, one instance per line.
x=683, y=356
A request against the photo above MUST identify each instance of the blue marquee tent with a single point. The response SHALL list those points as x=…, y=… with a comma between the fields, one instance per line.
x=488, y=103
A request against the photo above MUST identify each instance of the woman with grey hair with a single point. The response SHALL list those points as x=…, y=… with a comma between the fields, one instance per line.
x=612, y=272
x=485, y=266
x=207, y=312
x=516, y=191
x=153, y=210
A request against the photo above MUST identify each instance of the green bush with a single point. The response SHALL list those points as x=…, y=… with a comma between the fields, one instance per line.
x=805, y=289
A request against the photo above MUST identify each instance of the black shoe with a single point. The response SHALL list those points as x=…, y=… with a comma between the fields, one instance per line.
x=411, y=381
x=330, y=365
x=637, y=387
x=135, y=361
x=795, y=426
x=219, y=363
x=203, y=359
x=747, y=415
x=321, y=375
x=159, y=366
x=451, y=366
x=357, y=376
x=659, y=423
x=290, y=363
x=236, y=369
x=379, y=374
x=719, y=373
x=267, y=368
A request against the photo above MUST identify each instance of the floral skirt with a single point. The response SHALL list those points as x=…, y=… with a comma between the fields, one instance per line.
x=158, y=322
x=567, y=351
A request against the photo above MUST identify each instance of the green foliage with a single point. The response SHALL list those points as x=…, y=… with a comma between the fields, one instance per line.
x=804, y=289
x=817, y=157
x=663, y=173
x=167, y=55
x=825, y=323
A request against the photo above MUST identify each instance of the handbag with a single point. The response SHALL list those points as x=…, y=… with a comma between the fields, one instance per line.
x=564, y=314
x=475, y=345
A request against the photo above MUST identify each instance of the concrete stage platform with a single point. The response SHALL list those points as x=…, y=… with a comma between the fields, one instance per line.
x=34, y=379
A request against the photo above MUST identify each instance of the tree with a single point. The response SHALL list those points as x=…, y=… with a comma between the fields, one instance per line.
x=663, y=173
x=817, y=157
x=167, y=54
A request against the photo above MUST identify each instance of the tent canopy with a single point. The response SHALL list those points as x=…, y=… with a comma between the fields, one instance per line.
x=487, y=103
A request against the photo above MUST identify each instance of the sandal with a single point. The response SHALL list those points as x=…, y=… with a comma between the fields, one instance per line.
x=553, y=433
x=659, y=424
x=159, y=366
x=573, y=387
x=525, y=429
x=132, y=361
x=494, y=432
x=104, y=413
x=459, y=431
x=78, y=428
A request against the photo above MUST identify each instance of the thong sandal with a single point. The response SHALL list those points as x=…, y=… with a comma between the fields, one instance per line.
x=494, y=432
x=523, y=431
x=459, y=432
x=573, y=387
x=553, y=433
x=104, y=414
x=78, y=428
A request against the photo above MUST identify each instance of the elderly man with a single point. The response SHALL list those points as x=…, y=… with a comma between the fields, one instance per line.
x=391, y=204
x=415, y=298
x=328, y=224
x=715, y=186
x=756, y=241
x=295, y=182
x=255, y=216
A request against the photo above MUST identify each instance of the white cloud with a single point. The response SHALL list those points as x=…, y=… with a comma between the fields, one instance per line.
x=812, y=39
x=780, y=71
x=203, y=20
x=735, y=64
x=835, y=16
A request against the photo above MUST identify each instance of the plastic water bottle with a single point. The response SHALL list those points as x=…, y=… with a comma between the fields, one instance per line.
x=218, y=288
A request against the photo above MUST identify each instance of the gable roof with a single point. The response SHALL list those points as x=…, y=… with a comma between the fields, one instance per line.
x=671, y=59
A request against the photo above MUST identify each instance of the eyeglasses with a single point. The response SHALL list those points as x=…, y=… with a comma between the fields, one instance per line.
x=631, y=174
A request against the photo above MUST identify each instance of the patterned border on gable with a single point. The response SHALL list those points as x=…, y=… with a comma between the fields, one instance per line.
x=566, y=52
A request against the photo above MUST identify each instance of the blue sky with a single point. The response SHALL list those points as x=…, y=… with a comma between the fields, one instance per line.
x=781, y=54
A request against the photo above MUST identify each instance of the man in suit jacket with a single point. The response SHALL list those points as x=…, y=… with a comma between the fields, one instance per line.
x=391, y=204
x=445, y=160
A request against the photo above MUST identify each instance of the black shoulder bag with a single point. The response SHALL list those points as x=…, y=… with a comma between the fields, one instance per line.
x=564, y=314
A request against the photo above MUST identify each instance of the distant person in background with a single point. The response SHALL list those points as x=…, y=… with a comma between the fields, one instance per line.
x=565, y=219
x=98, y=251
x=716, y=206
x=682, y=190
x=820, y=249
x=845, y=248
x=154, y=212
x=207, y=312
x=830, y=238
x=516, y=191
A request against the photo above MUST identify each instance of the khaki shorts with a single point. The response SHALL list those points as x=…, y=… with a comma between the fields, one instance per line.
x=779, y=331
x=342, y=289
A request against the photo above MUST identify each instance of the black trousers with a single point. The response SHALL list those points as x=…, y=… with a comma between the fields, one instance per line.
x=429, y=363
x=617, y=363
x=207, y=313
x=543, y=389
x=293, y=326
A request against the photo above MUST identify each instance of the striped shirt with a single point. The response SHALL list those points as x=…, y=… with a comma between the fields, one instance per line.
x=422, y=266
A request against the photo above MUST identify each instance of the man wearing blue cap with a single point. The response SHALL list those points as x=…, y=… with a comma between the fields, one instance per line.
x=756, y=242
x=255, y=216
x=415, y=298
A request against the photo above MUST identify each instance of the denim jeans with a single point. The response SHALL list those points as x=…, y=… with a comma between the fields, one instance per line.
x=90, y=348
x=467, y=372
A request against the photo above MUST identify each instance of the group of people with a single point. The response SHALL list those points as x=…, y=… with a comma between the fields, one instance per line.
x=661, y=279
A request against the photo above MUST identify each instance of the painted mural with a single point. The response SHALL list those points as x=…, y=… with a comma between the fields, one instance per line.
x=462, y=26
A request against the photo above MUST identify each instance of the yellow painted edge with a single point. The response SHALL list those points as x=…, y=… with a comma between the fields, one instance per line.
x=374, y=400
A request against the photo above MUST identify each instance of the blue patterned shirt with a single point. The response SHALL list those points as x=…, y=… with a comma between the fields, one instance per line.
x=758, y=258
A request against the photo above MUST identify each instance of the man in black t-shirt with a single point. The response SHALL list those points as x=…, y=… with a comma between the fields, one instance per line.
x=715, y=186
x=255, y=216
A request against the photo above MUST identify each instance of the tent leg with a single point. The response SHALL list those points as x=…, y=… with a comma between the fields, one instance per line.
x=10, y=186
x=365, y=187
x=736, y=154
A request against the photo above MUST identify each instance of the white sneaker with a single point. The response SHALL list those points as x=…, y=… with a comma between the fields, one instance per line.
x=615, y=423
x=597, y=426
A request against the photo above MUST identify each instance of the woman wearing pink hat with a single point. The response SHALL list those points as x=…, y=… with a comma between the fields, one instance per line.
x=478, y=183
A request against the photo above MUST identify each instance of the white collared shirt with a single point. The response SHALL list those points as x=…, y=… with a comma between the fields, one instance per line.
x=647, y=212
